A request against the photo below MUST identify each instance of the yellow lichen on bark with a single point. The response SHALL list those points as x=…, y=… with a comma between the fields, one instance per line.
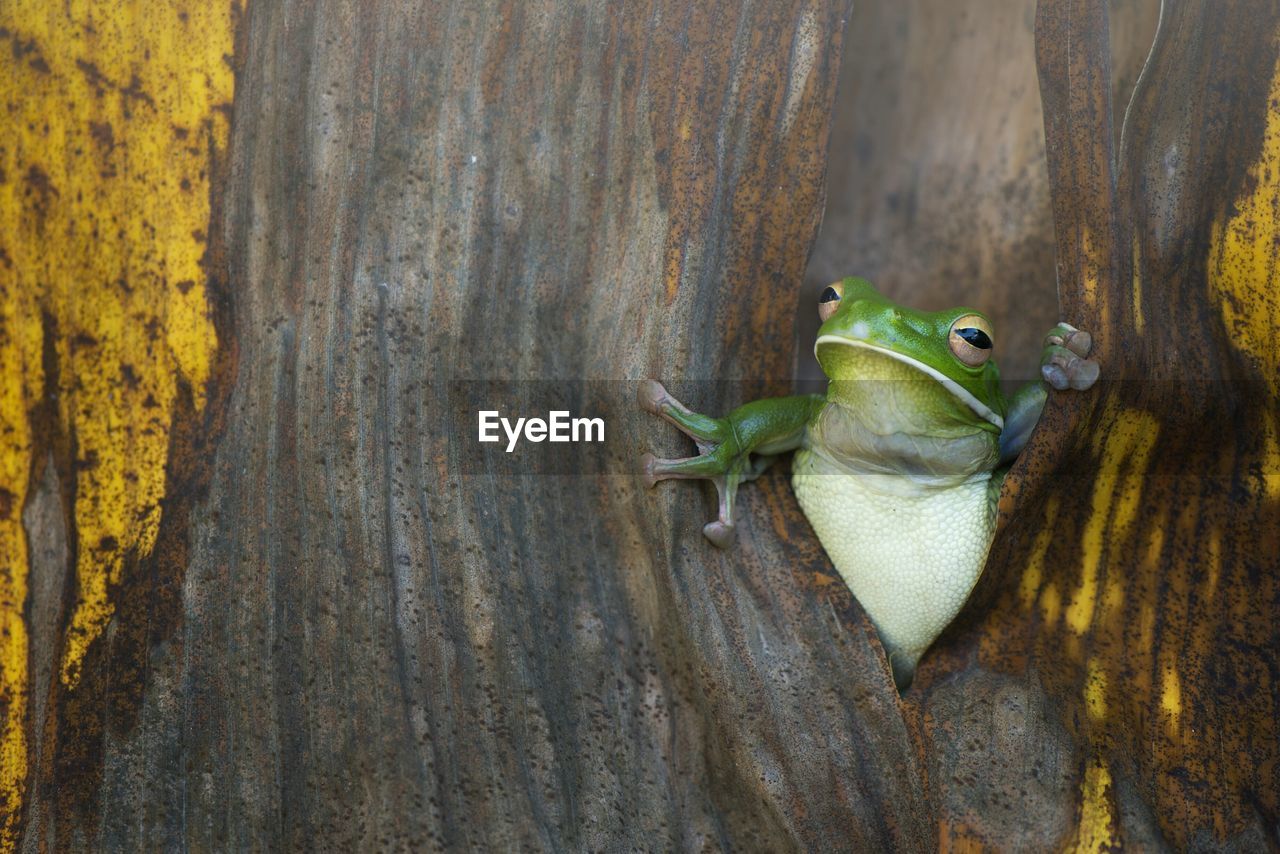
x=21, y=379
x=113, y=111
x=1243, y=257
x=1033, y=575
x=1096, y=831
x=1125, y=458
x=1243, y=268
x=1095, y=691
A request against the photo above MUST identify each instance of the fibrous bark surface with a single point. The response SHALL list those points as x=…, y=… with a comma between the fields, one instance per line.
x=323, y=616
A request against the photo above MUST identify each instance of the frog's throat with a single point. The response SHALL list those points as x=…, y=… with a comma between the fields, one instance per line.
x=957, y=390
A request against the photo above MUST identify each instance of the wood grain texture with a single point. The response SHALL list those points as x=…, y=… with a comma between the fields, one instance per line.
x=380, y=650
x=426, y=656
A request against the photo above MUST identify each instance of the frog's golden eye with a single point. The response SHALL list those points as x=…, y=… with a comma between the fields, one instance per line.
x=830, y=300
x=970, y=340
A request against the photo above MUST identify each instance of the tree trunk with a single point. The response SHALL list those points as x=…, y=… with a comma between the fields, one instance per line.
x=263, y=588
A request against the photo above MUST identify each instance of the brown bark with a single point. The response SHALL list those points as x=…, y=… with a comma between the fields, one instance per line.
x=358, y=630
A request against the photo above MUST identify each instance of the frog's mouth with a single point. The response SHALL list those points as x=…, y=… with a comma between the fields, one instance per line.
x=958, y=391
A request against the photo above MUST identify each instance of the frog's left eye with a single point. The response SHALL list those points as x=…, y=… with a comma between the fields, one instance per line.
x=830, y=300
x=970, y=340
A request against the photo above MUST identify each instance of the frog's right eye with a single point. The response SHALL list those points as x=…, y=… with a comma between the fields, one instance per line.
x=970, y=340
x=830, y=300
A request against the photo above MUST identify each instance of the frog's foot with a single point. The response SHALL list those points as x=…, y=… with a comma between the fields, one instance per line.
x=1064, y=363
x=720, y=531
x=718, y=458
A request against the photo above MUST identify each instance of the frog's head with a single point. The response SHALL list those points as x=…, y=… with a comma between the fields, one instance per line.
x=867, y=337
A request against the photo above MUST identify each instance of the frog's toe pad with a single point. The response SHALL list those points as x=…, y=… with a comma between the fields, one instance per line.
x=1065, y=335
x=648, y=463
x=719, y=533
x=651, y=395
x=1084, y=375
x=1070, y=372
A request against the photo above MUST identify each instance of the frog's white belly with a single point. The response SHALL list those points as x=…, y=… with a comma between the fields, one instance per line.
x=910, y=553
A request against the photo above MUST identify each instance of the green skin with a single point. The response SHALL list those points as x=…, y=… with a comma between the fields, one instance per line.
x=946, y=427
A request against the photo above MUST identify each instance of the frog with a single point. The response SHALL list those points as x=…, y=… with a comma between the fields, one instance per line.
x=898, y=465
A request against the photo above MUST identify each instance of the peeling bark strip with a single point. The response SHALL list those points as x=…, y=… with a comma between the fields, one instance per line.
x=487, y=662
x=1139, y=572
x=375, y=651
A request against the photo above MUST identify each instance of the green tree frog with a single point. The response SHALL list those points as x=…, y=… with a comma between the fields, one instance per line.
x=898, y=466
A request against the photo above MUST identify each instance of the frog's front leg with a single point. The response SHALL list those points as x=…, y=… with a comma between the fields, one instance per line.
x=731, y=450
x=1064, y=364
